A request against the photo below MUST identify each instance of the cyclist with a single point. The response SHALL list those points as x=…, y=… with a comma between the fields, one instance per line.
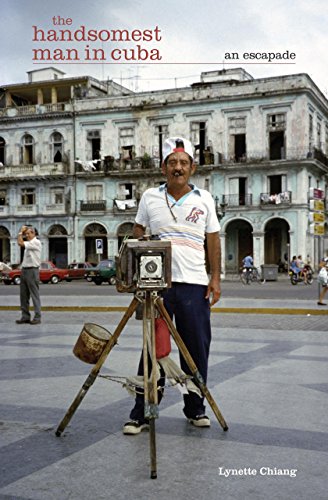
x=248, y=265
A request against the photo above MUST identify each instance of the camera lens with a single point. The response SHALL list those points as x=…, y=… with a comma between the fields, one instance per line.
x=151, y=267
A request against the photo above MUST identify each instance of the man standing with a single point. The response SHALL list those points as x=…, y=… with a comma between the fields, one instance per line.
x=180, y=212
x=29, y=286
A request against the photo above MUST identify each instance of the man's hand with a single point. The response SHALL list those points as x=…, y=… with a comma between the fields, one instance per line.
x=213, y=291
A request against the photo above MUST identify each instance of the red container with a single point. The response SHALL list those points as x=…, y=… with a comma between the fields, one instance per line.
x=162, y=338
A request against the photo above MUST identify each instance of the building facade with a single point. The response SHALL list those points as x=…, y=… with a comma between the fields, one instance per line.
x=76, y=155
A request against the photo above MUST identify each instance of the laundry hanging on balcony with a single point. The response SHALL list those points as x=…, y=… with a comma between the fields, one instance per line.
x=125, y=204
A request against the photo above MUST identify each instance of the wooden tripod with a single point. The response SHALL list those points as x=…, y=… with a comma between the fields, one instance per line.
x=151, y=301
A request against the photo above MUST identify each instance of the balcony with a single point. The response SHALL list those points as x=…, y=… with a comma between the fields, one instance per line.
x=55, y=208
x=35, y=109
x=237, y=200
x=287, y=154
x=29, y=170
x=27, y=210
x=93, y=206
x=284, y=198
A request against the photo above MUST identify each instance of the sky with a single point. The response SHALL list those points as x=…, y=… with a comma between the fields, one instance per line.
x=193, y=36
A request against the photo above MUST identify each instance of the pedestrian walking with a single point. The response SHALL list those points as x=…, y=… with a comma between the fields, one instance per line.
x=323, y=280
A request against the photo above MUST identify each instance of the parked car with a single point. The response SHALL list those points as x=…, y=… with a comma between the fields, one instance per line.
x=48, y=272
x=104, y=271
x=76, y=270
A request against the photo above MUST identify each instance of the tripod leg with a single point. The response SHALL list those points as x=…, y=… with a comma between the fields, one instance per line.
x=150, y=386
x=152, y=440
x=95, y=370
x=153, y=396
x=191, y=364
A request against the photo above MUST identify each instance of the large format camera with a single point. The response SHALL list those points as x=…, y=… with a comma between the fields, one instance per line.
x=143, y=265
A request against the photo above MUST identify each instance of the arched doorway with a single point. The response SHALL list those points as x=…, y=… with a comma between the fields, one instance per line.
x=4, y=244
x=58, y=245
x=124, y=231
x=276, y=241
x=239, y=242
x=92, y=233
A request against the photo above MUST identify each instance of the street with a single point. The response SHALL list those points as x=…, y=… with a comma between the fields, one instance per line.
x=268, y=374
x=269, y=290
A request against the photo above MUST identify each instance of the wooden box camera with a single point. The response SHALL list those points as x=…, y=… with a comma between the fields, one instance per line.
x=143, y=265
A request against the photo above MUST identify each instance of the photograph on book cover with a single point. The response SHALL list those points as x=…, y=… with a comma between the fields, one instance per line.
x=89, y=93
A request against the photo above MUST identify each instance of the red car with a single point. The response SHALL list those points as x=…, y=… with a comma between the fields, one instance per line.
x=76, y=270
x=48, y=272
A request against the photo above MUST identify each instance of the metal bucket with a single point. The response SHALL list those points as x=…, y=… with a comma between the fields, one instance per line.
x=91, y=343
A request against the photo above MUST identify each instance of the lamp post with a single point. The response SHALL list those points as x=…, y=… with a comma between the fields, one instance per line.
x=220, y=208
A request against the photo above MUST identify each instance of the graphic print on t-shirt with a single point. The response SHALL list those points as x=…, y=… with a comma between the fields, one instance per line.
x=194, y=215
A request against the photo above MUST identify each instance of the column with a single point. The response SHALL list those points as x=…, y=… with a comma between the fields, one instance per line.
x=223, y=253
x=40, y=96
x=53, y=95
x=258, y=248
x=8, y=99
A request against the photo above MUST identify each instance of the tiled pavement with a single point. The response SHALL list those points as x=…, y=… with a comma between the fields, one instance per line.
x=268, y=374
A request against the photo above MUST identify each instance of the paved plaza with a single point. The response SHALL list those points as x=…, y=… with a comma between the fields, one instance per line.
x=268, y=374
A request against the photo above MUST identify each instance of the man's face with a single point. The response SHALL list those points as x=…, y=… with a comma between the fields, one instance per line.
x=178, y=169
x=29, y=233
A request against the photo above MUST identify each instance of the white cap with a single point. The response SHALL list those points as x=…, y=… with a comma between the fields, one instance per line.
x=175, y=145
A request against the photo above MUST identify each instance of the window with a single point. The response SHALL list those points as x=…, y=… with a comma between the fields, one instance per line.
x=276, y=124
x=2, y=151
x=93, y=145
x=319, y=143
x=28, y=196
x=198, y=139
x=3, y=197
x=238, y=191
x=237, y=147
x=27, y=150
x=126, y=141
x=277, y=121
x=95, y=193
x=277, y=184
x=57, y=196
x=310, y=132
x=56, y=147
x=126, y=191
x=161, y=132
x=237, y=138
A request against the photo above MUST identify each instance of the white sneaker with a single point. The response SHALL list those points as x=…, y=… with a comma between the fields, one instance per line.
x=134, y=427
x=200, y=421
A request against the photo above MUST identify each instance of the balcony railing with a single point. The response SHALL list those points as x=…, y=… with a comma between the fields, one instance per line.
x=284, y=198
x=93, y=206
x=34, y=109
x=57, y=208
x=33, y=170
x=288, y=154
x=237, y=200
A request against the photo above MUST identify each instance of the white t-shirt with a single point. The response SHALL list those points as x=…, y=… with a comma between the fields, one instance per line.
x=32, y=254
x=195, y=214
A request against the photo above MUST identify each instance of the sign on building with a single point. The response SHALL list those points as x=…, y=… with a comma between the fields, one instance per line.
x=317, y=229
x=99, y=246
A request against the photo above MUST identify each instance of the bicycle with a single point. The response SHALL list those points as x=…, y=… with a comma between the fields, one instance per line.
x=250, y=275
